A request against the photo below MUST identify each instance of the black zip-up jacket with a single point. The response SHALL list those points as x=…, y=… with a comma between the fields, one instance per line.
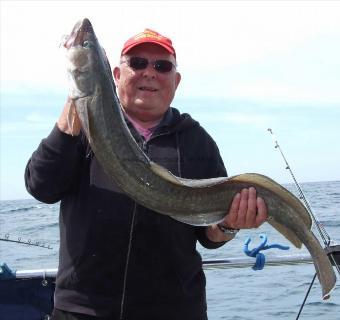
x=117, y=257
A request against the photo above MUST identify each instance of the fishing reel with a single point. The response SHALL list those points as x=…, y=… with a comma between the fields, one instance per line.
x=333, y=253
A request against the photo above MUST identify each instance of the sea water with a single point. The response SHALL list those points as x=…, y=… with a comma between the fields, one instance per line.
x=276, y=292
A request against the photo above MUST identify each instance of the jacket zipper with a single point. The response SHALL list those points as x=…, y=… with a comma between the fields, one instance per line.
x=145, y=148
x=122, y=304
x=145, y=144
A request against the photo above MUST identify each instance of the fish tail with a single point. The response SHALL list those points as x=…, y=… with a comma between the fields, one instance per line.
x=323, y=266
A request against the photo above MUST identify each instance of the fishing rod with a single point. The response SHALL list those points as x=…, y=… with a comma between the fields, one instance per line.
x=28, y=242
x=322, y=231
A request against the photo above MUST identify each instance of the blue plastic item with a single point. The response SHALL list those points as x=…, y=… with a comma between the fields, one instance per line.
x=255, y=253
x=6, y=272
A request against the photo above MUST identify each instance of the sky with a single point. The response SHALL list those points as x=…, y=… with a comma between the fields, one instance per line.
x=246, y=66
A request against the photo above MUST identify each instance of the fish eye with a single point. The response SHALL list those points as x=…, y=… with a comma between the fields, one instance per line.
x=87, y=44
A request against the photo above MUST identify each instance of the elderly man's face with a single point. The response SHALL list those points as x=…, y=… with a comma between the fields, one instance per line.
x=146, y=94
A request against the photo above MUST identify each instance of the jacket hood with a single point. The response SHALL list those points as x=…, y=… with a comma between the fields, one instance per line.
x=176, y=121
x=172, y=122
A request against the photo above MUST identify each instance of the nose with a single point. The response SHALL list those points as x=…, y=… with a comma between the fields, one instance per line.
x=149, y=72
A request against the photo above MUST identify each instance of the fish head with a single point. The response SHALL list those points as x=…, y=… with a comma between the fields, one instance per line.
x=82, y=31
x=85, y=60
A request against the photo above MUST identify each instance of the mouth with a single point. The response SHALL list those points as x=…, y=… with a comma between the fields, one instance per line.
x=81, y=32
x=149, y=89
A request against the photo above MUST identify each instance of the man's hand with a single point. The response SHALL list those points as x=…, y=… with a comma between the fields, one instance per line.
x=69, y=121
x=246, y=211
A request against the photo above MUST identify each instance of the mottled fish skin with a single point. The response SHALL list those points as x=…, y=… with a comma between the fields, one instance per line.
x=196, y=202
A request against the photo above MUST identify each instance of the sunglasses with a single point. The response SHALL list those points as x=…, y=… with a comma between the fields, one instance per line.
x=139, y=63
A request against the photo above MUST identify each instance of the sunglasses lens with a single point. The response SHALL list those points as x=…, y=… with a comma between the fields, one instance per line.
x=138, y=63
x=163, y=66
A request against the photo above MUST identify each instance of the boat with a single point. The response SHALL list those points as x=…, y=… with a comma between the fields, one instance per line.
x=30, y=292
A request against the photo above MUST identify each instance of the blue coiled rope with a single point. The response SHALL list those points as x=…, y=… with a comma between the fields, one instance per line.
x=255, y=253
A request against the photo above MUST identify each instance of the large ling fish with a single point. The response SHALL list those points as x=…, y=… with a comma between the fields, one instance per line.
x=196, y=202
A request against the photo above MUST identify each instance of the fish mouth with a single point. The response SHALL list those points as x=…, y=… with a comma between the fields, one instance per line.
x=81, y=32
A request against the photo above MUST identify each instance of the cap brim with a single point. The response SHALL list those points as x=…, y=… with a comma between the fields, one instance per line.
x=167, y=48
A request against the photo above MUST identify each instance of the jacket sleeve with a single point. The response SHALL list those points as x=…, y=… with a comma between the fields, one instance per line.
x=54, y=166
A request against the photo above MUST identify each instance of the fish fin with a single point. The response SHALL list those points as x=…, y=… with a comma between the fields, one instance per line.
x=203, y=183
x=165, y=174
x=287, y=233
x=202, y=220
x=84, y=118
x=192, y=183
x=71, y=114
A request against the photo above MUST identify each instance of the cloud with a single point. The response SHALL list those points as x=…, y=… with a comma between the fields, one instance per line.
x=234, y=118
x=248, y=119
x=25, y=129
x=32, y=124
x=244, y=65
x=35, y=117
x=276, y=91
x=232, y=33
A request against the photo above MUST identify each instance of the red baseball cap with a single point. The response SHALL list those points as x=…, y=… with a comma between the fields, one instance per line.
x=149, y=36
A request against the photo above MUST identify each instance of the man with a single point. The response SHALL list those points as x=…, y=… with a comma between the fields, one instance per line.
x=118, y=259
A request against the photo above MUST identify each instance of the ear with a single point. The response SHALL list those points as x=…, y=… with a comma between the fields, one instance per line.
x=116, y=74
x=177, y=79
